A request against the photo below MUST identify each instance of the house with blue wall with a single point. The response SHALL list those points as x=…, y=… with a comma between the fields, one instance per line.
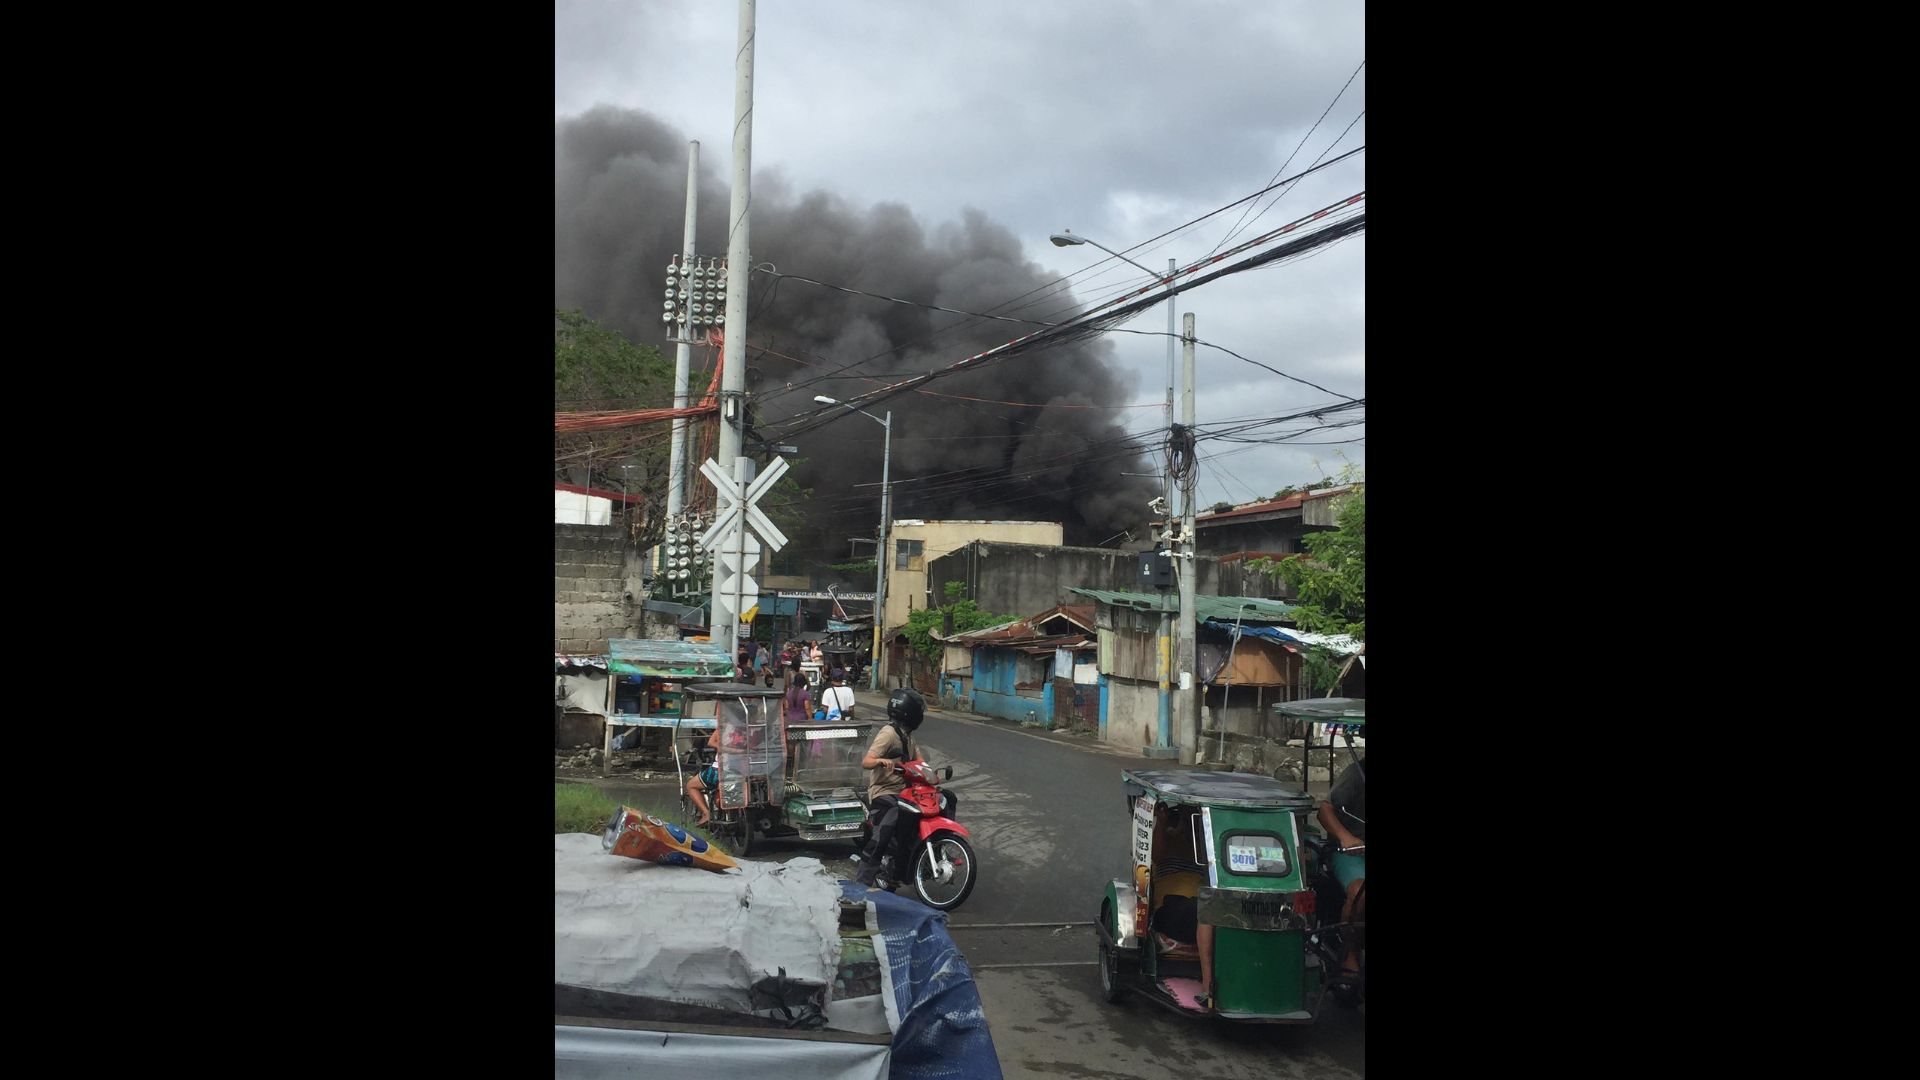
x=1039, y=670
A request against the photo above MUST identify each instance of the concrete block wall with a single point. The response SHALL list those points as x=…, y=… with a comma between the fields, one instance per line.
x=595, y=571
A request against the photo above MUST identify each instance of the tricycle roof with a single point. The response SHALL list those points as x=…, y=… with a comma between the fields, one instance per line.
x=1350, y=710
x=1217, y=788
x=733, y=689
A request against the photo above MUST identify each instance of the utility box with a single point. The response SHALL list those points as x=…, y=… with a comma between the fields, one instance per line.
x=1156, y=570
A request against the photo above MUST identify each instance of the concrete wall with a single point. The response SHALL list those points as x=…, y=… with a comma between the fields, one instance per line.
x=1026, y=579
x=907, y=589
x=595, y=571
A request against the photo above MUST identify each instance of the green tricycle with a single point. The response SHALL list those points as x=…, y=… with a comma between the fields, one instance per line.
x=1222, y=910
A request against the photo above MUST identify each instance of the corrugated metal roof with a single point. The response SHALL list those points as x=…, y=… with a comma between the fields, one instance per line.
x=1291, y=502
x=1228, y=608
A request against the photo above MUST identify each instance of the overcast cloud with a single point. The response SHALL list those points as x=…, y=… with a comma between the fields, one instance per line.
x=1118, y=120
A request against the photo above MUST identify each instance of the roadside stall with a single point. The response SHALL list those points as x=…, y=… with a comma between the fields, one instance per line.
x=646, y=693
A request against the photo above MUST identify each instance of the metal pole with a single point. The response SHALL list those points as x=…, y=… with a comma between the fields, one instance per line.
x=683, y=354
x=733, y=371
x=1188, y=565
x=880, y=561
x=1163, y=663
x=1166, y=493
x=1226, y=695
x=1166, y=485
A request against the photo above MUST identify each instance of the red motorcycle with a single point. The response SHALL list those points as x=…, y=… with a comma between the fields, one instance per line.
x=937, y=851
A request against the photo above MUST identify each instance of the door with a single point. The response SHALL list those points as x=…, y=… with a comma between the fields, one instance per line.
x=1259, y=969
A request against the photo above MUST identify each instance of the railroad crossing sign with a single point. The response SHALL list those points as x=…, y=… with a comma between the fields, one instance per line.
x=731, y=538
x=737, y=507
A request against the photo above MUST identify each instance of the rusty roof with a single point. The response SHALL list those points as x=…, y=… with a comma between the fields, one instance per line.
x=1291, y=502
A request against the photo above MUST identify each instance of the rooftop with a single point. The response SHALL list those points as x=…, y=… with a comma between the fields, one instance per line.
x=1291, y=502
x=1251, y=609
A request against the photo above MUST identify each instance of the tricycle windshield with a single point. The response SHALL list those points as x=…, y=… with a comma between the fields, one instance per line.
x=826, y=757
x=752, y=741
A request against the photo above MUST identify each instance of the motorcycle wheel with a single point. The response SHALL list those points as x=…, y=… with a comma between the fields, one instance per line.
x=746, y=833
x=943, y=895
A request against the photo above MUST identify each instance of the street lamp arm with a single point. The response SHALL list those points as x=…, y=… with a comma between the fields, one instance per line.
x=1066, y=239
x=822, y=399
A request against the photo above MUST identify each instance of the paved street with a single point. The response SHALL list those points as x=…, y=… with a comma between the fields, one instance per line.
x=1050, y=829
x=1049, y=822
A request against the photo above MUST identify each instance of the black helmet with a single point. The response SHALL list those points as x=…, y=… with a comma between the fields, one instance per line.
x=906, y=708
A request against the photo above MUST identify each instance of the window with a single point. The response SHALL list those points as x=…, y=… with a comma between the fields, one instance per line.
x=1256, y=854
x=907, y=554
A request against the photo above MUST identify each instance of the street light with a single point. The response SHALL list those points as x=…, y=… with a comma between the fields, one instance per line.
x=1068, y=238
x=886, y=521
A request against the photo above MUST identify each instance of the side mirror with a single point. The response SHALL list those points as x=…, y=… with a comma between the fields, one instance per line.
x=946, y=773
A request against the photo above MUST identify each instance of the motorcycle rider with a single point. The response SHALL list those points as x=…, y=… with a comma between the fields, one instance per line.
x=891, y=745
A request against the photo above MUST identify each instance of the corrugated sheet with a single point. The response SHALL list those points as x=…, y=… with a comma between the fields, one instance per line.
x=1205, y=607
x=635, y=656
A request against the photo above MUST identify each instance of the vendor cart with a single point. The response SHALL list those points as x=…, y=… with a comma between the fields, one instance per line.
x=647, y=690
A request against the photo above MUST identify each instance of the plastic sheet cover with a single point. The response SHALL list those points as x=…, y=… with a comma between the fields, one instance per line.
x=939, y=1028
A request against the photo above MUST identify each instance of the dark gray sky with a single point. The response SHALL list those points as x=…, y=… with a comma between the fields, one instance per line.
x=1116, y=119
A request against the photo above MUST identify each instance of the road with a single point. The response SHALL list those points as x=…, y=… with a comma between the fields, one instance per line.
x=1050, y=828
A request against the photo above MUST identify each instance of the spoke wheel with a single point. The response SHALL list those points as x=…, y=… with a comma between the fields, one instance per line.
x=943, y=888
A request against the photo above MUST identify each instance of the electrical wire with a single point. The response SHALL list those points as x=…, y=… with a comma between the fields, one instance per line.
x=1238, y=225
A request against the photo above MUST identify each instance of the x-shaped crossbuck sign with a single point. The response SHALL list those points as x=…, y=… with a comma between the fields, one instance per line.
x=737, y=509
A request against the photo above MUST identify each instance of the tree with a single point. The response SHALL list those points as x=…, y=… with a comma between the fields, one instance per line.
x=596, y=369
x=924, y=623
x=1219, y=508
x=1330, y=580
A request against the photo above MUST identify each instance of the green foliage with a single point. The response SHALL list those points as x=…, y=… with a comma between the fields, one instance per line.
x=859, y=568
x=924, y=623
x=596, y=369
x=1219, y=508
x=1330, y=580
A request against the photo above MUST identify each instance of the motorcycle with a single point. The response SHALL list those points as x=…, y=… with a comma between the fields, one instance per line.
x=1330, y=939
x=936, y=849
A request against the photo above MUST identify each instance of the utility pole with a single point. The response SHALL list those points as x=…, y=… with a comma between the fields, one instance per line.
x=733, y=364
x=682, y=356
x=1166, y=495
x=1187, y=565
x=880, y=563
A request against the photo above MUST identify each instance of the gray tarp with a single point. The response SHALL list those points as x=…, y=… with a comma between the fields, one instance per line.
x=594, y=1053
x=688, y=935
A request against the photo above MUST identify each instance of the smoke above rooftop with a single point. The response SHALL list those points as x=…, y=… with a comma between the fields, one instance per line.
x=958, y=451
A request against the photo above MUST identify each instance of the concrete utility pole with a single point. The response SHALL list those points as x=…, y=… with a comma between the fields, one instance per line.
x=1187, y=565
x=733, y=371
x=880, y=564
x=682, y=354
x=1166, y=494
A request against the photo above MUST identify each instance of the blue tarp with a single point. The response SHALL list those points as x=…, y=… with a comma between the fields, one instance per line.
x=942, y=1030
x=1339, y=644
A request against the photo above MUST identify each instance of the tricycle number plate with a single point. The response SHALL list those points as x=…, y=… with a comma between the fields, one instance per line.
x=847, y=826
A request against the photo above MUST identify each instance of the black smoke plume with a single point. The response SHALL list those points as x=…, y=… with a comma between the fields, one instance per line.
x=619, y=203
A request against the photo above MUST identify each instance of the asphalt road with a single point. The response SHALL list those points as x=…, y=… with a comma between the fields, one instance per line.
x=1049, y=826
x=1050, y=829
